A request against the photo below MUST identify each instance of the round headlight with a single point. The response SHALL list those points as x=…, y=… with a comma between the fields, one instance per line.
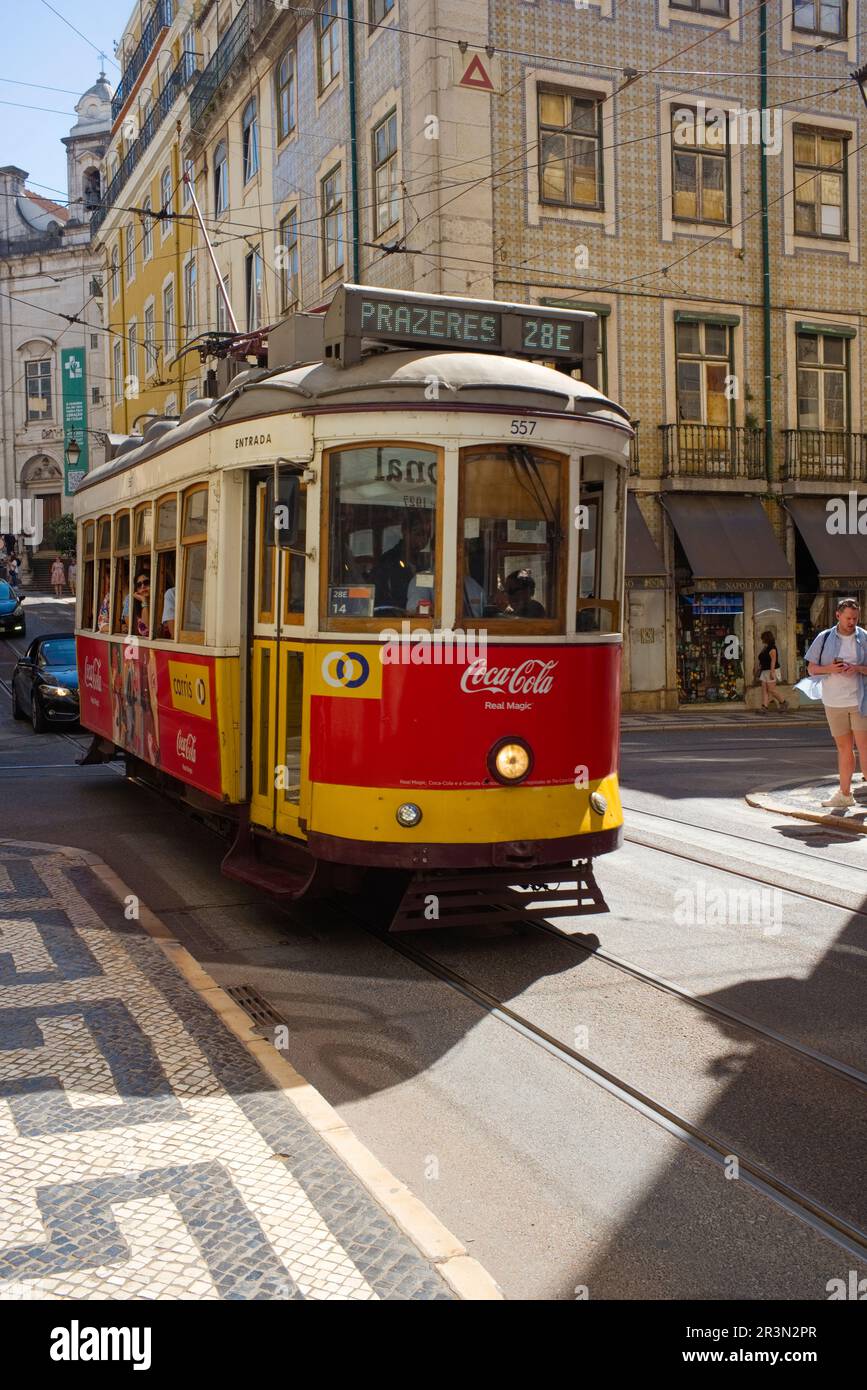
x=510, y=760
x=598, y=802
x=408, y=815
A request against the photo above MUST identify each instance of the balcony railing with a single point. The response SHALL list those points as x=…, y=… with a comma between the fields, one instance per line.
x=825, y=455
x=183, y=72
x=712, y=451
x=633, y=450
x=159, y=19
x=229, y=51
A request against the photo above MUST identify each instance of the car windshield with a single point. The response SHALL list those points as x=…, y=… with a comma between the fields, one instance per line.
x=60, y=651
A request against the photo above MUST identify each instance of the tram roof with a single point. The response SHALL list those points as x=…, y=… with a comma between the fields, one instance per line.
x=393, y=379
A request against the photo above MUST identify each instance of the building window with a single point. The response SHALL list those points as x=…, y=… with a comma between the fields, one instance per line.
x=253, y=282
x=699, y=169
x=703, y=366
x=380, y=10
x=147, y=231
x=130, y=253
x=169, y=320
x=166, y=201
x=570, y=150
x=823, y=382
x=715, y=7
x=332, y=222
x=385, y=174
x=221, y=180
x=38, y=377
x=223, y=325
x=186, y=186
x=115, y=274
x=91, y=189
x=820, y=183
x=250, y=140
x=150, y=340
x=284, y=80
x=132, y=340
x=289, y=259
x=118, y=372
x=192, y=394
x=328, y=44
x=825, y=17
x=191, y=308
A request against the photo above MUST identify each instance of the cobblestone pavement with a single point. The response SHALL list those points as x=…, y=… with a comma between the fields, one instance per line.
x=143, y=1151
x=669, y=721
x=804, y=802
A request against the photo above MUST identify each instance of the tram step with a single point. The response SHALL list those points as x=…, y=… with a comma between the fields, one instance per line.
x=498, y=896
x=271, y=878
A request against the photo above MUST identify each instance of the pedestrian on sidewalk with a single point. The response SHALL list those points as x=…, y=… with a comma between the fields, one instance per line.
x=71, y=575
x=58, y=577
x=837, y=663
x=769, y=673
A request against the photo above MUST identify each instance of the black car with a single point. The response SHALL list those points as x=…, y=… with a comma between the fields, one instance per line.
x=45, y=682
x=11, y=611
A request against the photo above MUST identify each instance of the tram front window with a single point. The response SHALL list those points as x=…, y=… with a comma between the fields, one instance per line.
x=511, y=504
x=383, y=521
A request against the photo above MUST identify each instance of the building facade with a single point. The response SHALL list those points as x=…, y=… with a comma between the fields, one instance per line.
x=52, y=353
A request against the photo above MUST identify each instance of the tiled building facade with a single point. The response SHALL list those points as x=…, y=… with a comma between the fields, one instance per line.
x=605, y=153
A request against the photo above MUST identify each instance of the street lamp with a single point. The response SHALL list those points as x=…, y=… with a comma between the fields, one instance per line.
x=73, y=451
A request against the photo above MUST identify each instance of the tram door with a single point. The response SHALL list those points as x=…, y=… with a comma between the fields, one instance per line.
x=279, y=792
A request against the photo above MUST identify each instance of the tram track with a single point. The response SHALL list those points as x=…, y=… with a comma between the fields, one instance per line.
x=786, y=1195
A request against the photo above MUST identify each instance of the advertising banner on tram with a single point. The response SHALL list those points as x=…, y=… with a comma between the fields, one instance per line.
x=158, y=705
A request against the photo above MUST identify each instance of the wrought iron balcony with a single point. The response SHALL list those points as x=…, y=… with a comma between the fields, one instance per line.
x=825, y=455
x=634, y=469
x=184, y=71
x=160, y=18
x=712, y=451
x=230, y=50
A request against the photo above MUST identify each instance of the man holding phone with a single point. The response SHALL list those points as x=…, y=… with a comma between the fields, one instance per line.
x=837, y=663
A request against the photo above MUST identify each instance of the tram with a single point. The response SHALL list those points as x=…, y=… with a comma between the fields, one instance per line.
x=367, y=603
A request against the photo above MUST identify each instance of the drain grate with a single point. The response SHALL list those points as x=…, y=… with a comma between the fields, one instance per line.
x=263, y=1015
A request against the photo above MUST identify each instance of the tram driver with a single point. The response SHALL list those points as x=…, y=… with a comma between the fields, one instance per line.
x=408, y=562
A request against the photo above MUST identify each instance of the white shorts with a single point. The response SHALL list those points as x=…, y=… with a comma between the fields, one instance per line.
x=769, y=676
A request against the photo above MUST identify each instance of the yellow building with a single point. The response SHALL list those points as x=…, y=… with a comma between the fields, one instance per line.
x=145, y=229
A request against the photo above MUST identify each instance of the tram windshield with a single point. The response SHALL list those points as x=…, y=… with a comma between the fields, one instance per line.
x=383, y=532
x=511, y=508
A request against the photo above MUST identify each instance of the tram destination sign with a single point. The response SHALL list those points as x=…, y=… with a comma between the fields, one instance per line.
x=405, y=318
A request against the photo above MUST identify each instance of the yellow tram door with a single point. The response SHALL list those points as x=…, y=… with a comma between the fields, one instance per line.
x=279, y=792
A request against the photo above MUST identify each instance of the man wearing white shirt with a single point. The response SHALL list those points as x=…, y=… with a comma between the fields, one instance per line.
x=839, y=657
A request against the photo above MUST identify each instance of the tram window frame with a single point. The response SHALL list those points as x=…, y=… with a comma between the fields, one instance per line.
x=103, y=571
x=503, y=625
x=162, y=550
x=265, y=558
x=597, y=493
x=88, y=567
x=121, y=556
x=295, y=560
x=335, y=623
x=197, y=540
x=142, y=551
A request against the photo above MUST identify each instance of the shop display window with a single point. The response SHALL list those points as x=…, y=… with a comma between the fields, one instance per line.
x=710, y=641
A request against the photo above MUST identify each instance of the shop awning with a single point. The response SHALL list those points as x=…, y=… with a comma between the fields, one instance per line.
x=726, y=537
x=643, y=559
x=836, y=554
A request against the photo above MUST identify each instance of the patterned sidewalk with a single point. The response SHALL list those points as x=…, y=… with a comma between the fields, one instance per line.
x=803, y=801
x=670, y=721
x=145, y=1149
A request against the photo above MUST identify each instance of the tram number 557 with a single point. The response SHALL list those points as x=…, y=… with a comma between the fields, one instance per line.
x=522, y=427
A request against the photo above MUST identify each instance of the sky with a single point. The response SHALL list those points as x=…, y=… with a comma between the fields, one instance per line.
x=39, y=48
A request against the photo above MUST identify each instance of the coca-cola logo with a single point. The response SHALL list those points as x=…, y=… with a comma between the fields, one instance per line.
x=93, y=673
x=531, y=677
x=186, y=746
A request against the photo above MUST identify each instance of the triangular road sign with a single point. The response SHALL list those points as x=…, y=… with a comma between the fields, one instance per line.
x=476, y=76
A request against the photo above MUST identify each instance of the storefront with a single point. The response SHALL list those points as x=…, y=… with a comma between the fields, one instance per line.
x=731, y=578
x=644, y=676
x=830, y=560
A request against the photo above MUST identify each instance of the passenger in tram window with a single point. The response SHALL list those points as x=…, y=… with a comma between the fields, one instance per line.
x=520, y=586
x=396, y=567
x=167, y=622
x=141, y=606
x=102, y=616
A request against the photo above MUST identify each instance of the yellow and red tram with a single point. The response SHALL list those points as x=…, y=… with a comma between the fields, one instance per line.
x=369, y=605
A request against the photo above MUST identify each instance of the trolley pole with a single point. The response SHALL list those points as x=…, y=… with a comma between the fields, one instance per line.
x=220, y=286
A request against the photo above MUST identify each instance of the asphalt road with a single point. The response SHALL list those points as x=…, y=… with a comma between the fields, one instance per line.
x=552, y=1181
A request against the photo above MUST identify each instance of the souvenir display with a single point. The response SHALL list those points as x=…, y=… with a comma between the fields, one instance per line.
x=710, y=662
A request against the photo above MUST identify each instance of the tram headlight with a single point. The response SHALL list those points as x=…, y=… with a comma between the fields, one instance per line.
x=408, y=815
x=510, y=760
x=598, y=802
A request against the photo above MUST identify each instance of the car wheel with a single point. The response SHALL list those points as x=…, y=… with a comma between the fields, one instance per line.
x=17, y=711
x=37, y=715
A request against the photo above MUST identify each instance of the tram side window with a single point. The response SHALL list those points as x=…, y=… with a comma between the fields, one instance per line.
x=120, y=616
x=87, y=551
x=512, y=510
x=295, y=568
x=383, y=532
x=141, y=569
x=165, y=546
x=267, y=553
x=597, y=607
x=194, y=543
x=103, y=571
